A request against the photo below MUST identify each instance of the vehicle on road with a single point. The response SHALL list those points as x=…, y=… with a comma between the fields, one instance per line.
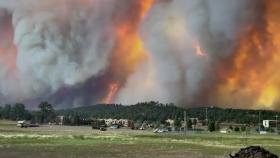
x=22, y=124
x=115, y=127
x=25, y=124
x=160, y=130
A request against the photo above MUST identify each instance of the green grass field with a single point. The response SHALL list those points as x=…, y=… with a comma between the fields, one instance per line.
x=83, y=142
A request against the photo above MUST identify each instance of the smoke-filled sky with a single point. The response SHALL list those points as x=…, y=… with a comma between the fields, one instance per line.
x=190, y=52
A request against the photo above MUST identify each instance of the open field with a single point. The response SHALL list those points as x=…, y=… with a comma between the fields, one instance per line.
x=83, y=142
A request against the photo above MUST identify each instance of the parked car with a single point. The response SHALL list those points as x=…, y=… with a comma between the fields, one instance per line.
x=103, y=128
x=263, y=132
x=97, y=124
x=115, y=127
x=160, y=130
x=25, y=124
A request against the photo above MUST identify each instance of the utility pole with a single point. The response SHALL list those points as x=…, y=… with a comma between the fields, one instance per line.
x=206, y=114
x=259, y=121
x=276, y=124
x=185, y=121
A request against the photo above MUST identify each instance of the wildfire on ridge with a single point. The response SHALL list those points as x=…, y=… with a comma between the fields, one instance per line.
x=246, y=78
x=128, y=52
x=113, y=89
x=271, y=92
x=253, y=78
x=8, y=50
x=145, y=7
x=242, y=61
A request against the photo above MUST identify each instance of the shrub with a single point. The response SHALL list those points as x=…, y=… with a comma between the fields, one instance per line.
x=236, y=129
x=271, y=130
x=211, y=127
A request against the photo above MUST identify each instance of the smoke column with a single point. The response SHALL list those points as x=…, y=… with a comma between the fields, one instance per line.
x=192, y=53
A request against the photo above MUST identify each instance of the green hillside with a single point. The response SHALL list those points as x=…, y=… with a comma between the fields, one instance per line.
x=154, y=111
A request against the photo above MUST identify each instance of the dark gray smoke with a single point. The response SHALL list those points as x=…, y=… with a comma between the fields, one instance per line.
x=64, y=49
x=175, y=73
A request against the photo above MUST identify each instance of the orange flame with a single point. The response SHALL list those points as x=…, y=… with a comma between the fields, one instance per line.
x=129, y=51
x=8, y=50
x=245, y=79
x=198, y=50
x=252, y=78
x=145, y=7
x=113, y=89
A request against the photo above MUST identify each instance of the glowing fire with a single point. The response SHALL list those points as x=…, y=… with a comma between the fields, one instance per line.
x=8, y=50
x=129, y=51
x=113, y=89
x=270, y=93
x=145, y=7
x=252, y=78
x=198, y=50
x=249, y=76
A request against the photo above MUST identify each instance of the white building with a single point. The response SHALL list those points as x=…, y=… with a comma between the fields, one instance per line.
x=224, y=131
x=123, y=122
x=271, y=123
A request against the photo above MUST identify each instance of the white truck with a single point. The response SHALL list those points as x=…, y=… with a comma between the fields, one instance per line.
x=22, y=124
x=25, y=124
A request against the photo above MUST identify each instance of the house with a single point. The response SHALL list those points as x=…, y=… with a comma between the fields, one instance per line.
x=271, y=123
x=59, y=120
x=121, y=122
x=170, y=122
x=197, y=122
x=225, y=131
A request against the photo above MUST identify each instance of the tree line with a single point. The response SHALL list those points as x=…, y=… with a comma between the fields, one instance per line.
x=146, y=111
x=158, y=112
x=18, y=111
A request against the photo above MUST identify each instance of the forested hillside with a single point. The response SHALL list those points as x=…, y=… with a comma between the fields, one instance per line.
x=154, y=111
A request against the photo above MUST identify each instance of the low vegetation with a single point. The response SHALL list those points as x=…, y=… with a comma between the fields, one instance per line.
x=79, y=142
x=153, y=113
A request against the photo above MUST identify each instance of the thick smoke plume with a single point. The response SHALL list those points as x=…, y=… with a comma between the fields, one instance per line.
x=192, y=53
